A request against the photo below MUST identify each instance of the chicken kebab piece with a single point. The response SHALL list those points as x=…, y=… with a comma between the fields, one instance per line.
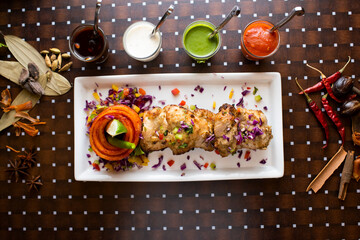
x=182, y=129
x=240, y=128
x=177, y=128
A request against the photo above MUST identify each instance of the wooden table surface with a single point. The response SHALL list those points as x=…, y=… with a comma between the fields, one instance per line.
x=238, y=209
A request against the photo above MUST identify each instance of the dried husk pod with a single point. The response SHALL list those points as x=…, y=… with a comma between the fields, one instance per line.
x=24, y=75
x=54, y=65
x=66, y=67
x=47, y=61
x=53, y=57
x=55, y=50
x=342, y=87
x=35, y=87
x=59, y=59
x=48, y=75
x=33, y=70
x=65, y=56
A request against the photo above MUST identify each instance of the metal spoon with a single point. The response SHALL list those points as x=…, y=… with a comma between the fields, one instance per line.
x=234, y=12
x=96, y=20
x=297, y=11
x=162, y=20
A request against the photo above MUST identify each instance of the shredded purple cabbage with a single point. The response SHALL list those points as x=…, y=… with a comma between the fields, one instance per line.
x=197, y=164
x=188, y=157
x=202, y=158
x=263, y=161
x=248, y=159
x=199, y=88
x=238, y=164
x=192, y=122
x=210, y=138
x=260, y=122
x=241, y=102
x=183, y=166
x=225, y=88
x=226, y=137
x=257, y=131
x=159, y=87
x=163, y=167
x=239, y=139
x=265, y=108
x=255, y=122
x=250, y=115
x=161, y=158
x=88, y=155
x=245, y=92
x=240, y=153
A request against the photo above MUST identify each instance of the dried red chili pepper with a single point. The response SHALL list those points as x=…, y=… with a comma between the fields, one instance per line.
x=334, y=117
x=318, y=114
x=320, y=85
x=326, y=84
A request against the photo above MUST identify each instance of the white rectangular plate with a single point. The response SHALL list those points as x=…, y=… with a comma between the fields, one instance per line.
x=217, y=87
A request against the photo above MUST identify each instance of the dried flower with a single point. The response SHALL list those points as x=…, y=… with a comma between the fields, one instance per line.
x=21, y=107
x=28, y=159
x=34, y=183
x=17, y=169
x=26, y=116
x=6, y=98
x=12, y=149
x=30, y=130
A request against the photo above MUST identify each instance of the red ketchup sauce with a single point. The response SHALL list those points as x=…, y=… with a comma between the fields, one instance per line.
x=257, y=41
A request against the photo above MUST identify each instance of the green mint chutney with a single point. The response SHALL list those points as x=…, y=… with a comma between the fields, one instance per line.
x=197, y=42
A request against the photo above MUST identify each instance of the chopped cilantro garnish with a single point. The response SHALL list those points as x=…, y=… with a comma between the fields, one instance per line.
x=184, y=145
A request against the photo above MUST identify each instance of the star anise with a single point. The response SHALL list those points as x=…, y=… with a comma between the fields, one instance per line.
x=29, y=158
x=17, y=169
x=34, y=183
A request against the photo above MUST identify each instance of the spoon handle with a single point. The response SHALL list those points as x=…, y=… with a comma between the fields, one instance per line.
x=297, y=11
x=235, y=11
x=97, y=11
x=162, y=20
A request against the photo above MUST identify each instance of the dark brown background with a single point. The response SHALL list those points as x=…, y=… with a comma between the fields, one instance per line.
x=248, y=209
